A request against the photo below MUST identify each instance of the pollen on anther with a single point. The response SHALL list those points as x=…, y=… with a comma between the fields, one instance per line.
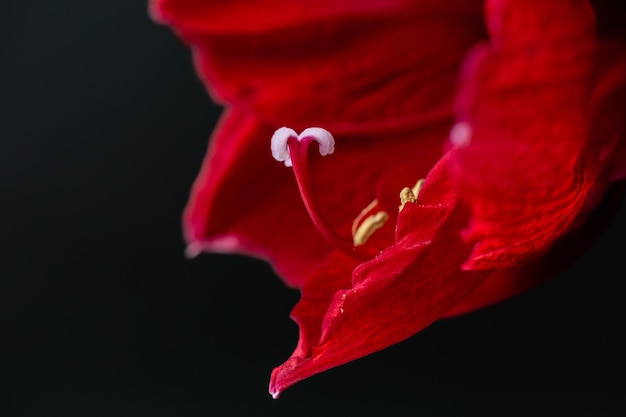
x=368, y=227
x=406, y=196
x=410, y=195
x=362, y=215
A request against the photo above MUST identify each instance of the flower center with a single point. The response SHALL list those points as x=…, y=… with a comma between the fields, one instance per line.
x=289, y=147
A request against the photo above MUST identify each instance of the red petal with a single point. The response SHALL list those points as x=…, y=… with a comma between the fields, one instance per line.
x=525, y=97
x=317, y=295
x=392, y=297
x=341, y=65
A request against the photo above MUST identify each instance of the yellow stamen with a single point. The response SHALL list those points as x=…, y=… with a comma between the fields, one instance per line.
x=406, y=196
x=361, y=216
x=368, y=227
x=418, y=187
x=409, y=195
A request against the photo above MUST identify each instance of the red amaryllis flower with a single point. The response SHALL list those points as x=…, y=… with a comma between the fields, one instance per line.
x=499, y=124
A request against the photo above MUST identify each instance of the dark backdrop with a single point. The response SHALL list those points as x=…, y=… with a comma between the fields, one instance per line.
x=103, y=128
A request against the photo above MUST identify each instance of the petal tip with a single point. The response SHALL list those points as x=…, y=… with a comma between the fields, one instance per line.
x=273, y=388
x=275, y=394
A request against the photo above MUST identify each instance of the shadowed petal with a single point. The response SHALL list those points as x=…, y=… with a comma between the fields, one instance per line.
x=506, y=283
x=608, y=101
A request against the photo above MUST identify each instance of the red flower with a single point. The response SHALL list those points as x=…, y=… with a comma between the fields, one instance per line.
x=512, y=112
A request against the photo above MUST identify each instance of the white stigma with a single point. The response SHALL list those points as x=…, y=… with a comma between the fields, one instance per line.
x=280, y=148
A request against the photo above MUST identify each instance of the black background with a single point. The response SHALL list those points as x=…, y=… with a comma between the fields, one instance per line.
x=103, y=127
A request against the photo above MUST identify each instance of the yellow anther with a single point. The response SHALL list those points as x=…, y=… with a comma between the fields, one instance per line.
x=406, y=196
x=362, y=215
x=417, y=187
x=409, y=195
x=368, y=227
